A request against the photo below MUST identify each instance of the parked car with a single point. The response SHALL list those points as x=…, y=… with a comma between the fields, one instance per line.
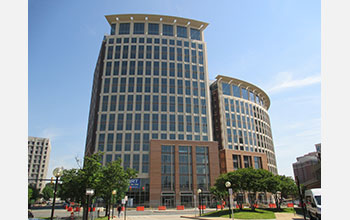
x=313, y=203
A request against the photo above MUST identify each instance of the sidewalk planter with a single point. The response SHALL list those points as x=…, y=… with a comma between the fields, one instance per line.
x=180, y=207
x=161, y=208
x=290, y=205
x=140, y=208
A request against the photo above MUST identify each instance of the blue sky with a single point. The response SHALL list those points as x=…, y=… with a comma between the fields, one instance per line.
x=275, y=45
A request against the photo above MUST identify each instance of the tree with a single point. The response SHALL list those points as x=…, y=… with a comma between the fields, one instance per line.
x=35, y=194
x=219, y=195
x=285, y=185
x=251, y=181
x=48, y=191
x=103, y=180
x=114, y=177
x=30, y=193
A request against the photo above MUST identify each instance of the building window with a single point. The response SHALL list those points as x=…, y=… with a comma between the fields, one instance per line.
x=236, y=162
x=145, y=163
x=113, y=29
x=185, y=167
x=236, y=91
x=153, y=29
x=111, y=122
x=110, y=138
x=139, y=28
x=257, y=162
x=181, y=31
x=247, y=161
x=202, y=164
x=167, y=167
x=195, y=34
x=120, y=122
x=168, y=30
x=226, y=89
x=136, y=162
x=124, y=28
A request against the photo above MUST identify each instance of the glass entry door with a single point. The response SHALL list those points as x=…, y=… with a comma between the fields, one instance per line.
x=168, y=201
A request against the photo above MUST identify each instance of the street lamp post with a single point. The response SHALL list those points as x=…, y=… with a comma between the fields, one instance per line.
x=57, y=172
x=279, y=197
x=89, y=192
x=113, y=195
x=228, y=185
x=199, y=201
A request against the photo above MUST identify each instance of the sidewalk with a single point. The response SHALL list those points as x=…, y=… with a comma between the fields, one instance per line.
x=279, y=216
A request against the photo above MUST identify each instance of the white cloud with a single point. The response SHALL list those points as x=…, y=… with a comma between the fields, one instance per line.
x=284, y=80
x=51, y=133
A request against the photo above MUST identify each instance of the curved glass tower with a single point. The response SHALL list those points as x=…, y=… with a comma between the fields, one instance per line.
x=242, y=125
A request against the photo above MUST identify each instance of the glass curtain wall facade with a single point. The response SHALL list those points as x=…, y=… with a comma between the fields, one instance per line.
x=241, y=120
x=150, y=82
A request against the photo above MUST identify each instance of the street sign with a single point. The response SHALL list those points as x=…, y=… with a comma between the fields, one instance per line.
x=123, y=201
x=135, y=183
x=126, y=198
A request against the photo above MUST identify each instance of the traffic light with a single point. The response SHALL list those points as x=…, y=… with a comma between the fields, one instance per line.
x=51, y=182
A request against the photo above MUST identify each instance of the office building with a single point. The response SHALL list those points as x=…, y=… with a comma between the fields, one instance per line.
x=150, y=103
x=242, y=125
x=308, y=169
x=38, y=160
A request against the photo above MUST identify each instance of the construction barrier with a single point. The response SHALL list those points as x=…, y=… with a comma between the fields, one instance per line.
x=161, y=208
x=290, y=205
x=140, y=208
x=123, y=208
x=238, y=206
x=180, y=207
x=256, y=206
x=218, y=206
x=94, y=209
x=272, y=205
x=202, y=207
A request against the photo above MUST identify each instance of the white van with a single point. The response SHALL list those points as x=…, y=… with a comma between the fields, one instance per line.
x=313, y=203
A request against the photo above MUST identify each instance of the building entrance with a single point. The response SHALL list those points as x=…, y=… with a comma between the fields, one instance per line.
x=168, y=201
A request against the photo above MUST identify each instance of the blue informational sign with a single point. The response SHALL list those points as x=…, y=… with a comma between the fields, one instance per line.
x=135, y=183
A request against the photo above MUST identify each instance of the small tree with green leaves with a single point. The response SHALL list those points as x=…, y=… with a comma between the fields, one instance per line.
x=48, y=191
x=114, y=177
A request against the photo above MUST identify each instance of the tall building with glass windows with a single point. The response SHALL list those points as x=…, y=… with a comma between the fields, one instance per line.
x=150, y=107
x=242, y=125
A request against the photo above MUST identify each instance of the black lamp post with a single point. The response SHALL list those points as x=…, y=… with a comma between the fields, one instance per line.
x=57, y=172
x=199, y=201
x=89, y=192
